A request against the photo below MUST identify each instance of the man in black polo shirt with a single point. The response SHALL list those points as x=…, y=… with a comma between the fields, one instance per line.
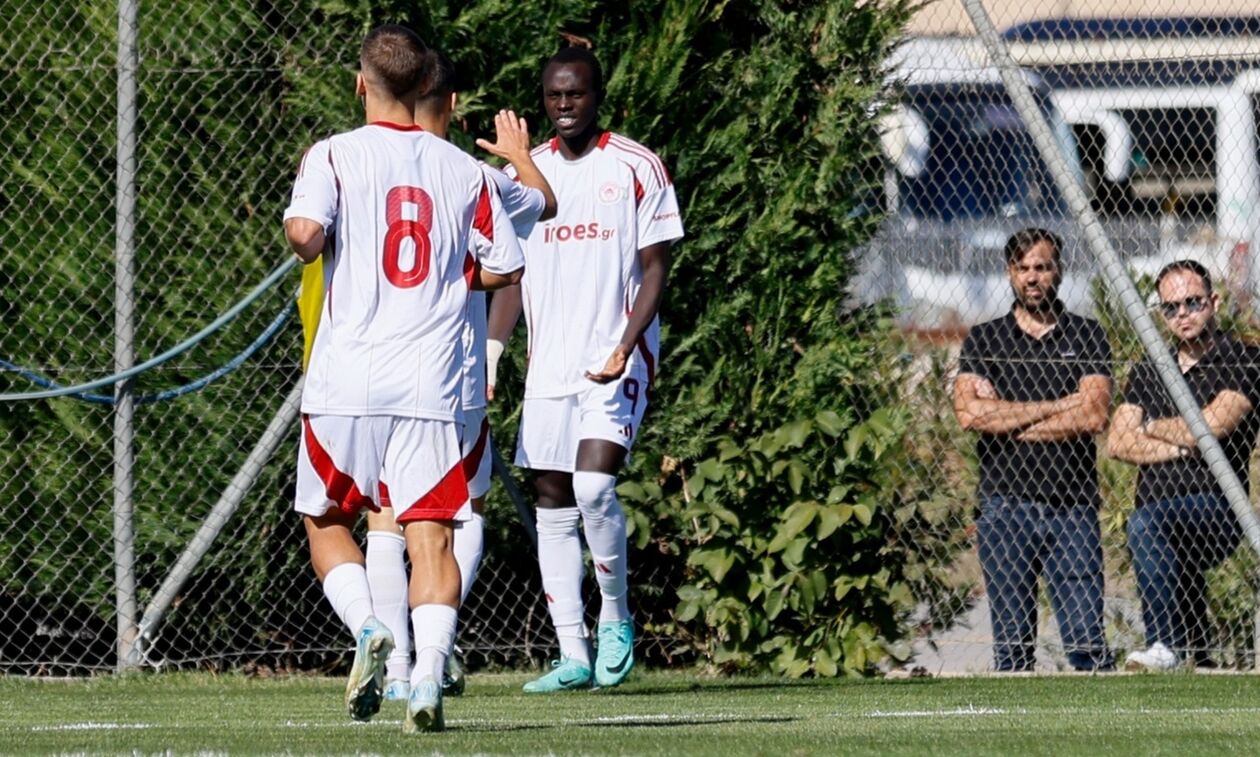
x=1036, y=384
x=1182, y=524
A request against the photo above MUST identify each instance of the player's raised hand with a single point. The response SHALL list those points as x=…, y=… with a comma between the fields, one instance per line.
x=612, y=369
x=511, y=135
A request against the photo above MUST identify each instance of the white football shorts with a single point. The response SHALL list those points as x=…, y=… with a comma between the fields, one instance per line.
x=551, y=427
x=413, y=465
x=477, y=453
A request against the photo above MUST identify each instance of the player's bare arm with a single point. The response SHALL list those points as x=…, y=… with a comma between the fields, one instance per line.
x=654, y=259
x=1086, y=419
x=1223, y=414
x=306, y=237
x=487, y=281
x=512, y=144
x=977, y=411
x=1128, y=441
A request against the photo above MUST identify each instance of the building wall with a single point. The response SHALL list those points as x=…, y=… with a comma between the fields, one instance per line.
x=947, y=17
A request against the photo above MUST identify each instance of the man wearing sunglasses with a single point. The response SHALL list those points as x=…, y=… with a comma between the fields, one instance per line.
x=1036, y=385
x=1182, y=524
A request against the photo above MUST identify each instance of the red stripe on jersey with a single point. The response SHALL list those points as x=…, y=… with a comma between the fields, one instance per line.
x=658, y=167
x=540, y=149
x=649, y=359
x=483, y=220
x=344, y=218
x=470, y=269
x=382, y=491
x=396, y=127
x=638, y=190
x=442, y=502
x=603, y=140
x=473, y=461
x=338, y=486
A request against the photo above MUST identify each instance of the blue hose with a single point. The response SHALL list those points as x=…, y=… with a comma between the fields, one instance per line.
x=168, y=394
x=176, y=351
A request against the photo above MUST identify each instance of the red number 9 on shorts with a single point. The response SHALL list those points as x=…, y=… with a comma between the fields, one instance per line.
x=404, y=228
x=630, y=388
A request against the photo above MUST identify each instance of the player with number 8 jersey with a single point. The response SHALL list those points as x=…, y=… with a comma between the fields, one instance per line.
x=408, y=226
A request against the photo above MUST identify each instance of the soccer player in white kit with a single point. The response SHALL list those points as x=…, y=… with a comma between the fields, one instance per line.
x=525, y=203
x=594, y=279
x=411, y=227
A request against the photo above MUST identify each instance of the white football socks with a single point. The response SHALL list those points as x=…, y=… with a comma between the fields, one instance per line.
x=560, y=562
x=468, y=543
x=387, y=579
x=434, y=626
x=346, y=587
x=604, y=523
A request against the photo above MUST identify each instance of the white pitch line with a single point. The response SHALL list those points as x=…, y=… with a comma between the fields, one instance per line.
x=94, y=727
x=958, y=712
x=972, y=711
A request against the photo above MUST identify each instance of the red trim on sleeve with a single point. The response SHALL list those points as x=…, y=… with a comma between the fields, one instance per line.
x=442, y=502
x=396, y=127
x=638, y=191
x=483, y=220
x=603, y=140
x=338, y=486
x=470, y=269
x=473, y=461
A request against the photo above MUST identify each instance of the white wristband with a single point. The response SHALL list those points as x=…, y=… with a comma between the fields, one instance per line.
x=494, y=350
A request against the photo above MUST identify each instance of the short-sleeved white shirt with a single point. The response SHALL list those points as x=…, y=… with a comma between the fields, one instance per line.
x=523, y=205
x=410, y=215
x=582, y=269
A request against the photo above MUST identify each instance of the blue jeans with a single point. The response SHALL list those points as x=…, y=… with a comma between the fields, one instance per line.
x=1173, y=541
x=1021, y=539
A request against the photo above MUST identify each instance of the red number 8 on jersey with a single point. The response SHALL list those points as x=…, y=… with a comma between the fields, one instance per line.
x=403, y=228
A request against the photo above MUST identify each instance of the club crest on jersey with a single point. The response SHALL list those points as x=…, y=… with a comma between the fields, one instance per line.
x=610, y=193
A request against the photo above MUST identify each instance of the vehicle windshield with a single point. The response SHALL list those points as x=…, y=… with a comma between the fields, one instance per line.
x=981, y=160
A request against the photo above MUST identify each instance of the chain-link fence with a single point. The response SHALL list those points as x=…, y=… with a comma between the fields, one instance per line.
x=1092, y=543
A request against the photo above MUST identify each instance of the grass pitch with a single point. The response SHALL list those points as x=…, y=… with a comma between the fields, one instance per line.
x=654, y=713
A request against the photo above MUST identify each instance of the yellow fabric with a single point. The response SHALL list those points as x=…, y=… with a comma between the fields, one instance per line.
x=310, y=305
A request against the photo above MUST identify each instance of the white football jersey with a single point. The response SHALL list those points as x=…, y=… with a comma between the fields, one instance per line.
x=523, y=206
x=582, y=269
x=410, y=216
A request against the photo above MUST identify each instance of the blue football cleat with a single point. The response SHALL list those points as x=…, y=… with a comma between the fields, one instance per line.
x=566, y=675
x=614, y=658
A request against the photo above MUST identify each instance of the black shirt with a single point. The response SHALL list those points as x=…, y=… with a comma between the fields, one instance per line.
x=1230, y=364
x=1022, y=368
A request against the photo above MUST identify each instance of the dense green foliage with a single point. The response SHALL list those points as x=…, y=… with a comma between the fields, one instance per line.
x=768, y=482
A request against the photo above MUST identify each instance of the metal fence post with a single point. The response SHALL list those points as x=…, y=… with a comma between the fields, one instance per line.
x=1114, y=272
x=124, y=330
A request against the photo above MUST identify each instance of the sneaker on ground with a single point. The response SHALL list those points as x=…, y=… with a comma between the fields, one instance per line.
x=424, y=708
x=397, y=690
x=453, y=677
x=566, y=675
x=367, y=675
x=1157, y=657
x=614, y=657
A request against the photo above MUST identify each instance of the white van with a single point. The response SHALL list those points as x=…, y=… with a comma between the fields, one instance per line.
x=1165, y=111
x=961, y=174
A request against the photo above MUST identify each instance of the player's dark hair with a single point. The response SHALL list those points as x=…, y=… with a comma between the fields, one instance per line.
x=579, y=55
x=1025, y=239
x=440, y=81
x=395, y=58
x=1189, y=266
